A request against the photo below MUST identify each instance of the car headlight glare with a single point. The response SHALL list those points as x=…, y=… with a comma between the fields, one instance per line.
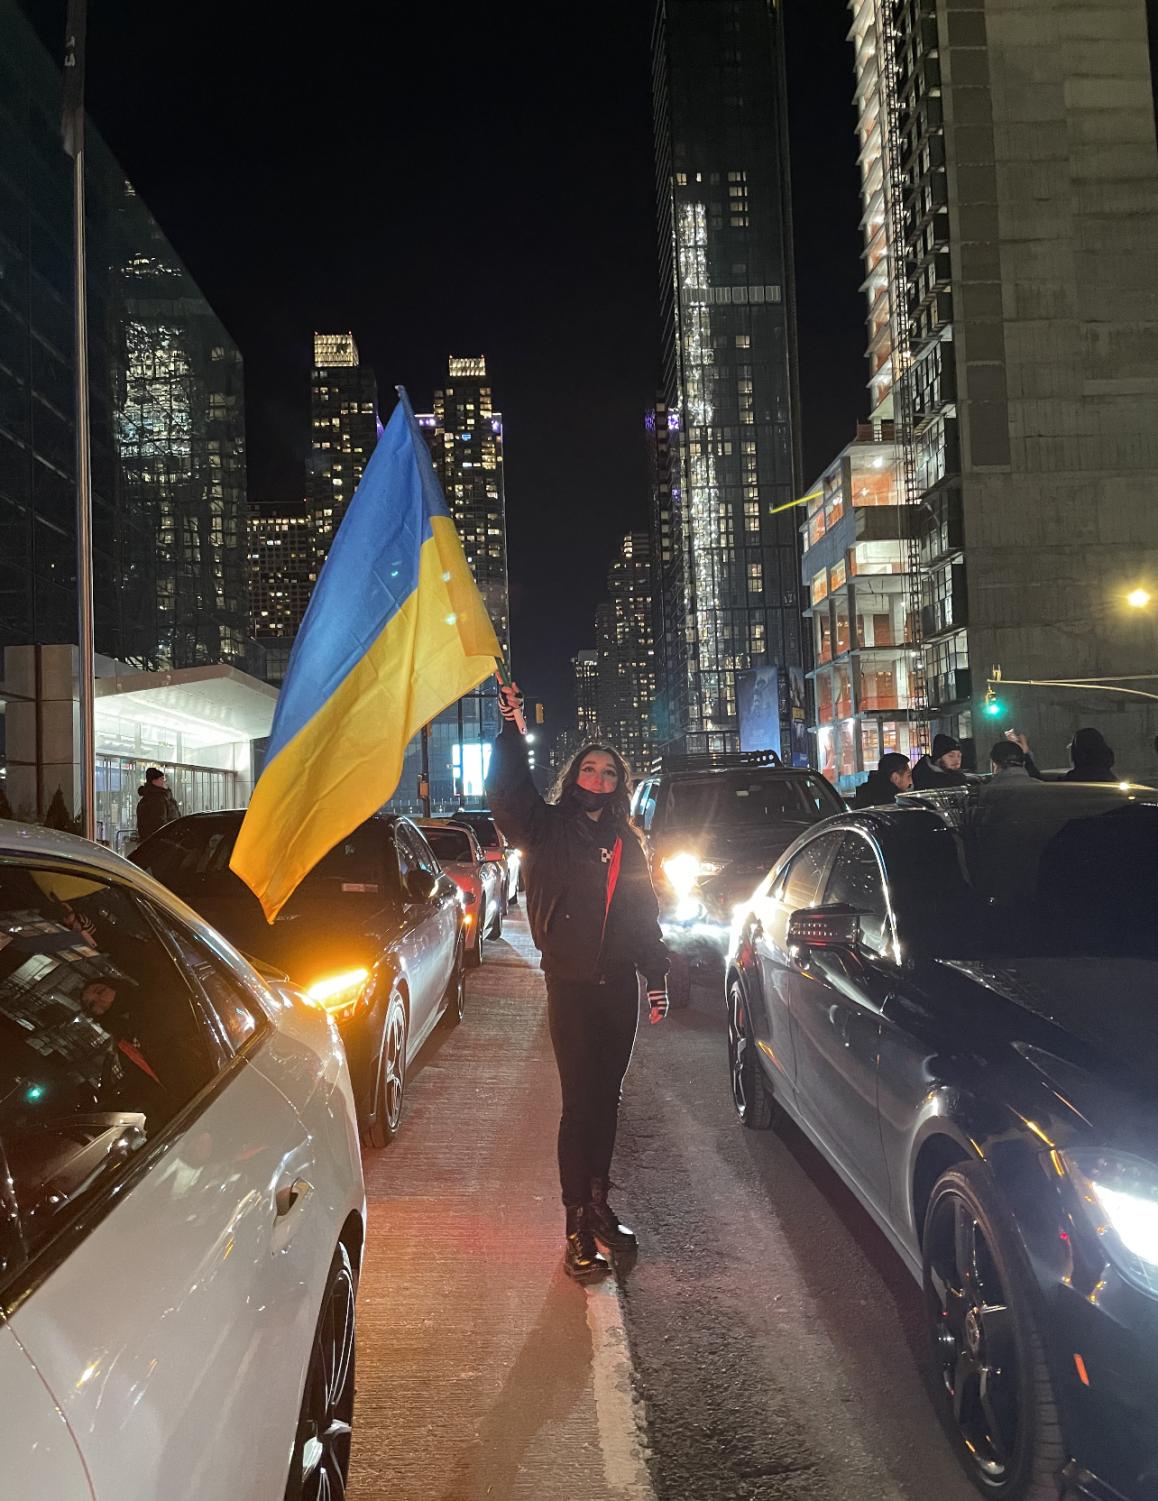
x=338, y=993
x=1120, y=1197
x=685, y=871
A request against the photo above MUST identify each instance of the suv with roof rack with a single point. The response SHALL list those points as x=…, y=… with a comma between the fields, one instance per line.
x=711, y=827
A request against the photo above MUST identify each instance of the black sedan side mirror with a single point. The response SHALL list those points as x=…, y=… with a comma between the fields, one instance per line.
x=420, y=885
x=834, y=927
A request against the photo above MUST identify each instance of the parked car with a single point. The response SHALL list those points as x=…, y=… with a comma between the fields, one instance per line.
x=374, y=933
x=182, y=1213
x=480, y=880
x=955, y=999
x=710, y=833
x=494, y=847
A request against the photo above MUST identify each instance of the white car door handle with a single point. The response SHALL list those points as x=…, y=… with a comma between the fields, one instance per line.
x=287, y=1194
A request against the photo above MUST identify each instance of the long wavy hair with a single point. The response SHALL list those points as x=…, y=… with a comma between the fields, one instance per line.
x=619, y=808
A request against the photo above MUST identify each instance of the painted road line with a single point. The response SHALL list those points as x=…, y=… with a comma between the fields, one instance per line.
x=618, y=1412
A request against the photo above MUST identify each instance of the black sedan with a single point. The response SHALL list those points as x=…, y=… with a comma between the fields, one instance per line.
x=374, y=934
x=957, y=1000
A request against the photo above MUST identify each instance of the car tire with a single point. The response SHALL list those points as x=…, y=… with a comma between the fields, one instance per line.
x=679, y=983
x=320, y=1463
x=993, y=1387
x=751, y=1093
x=388, y=1078
x=474, y=955
x=455, y=999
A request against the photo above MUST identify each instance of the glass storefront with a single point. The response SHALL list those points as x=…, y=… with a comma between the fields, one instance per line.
x=197, y=789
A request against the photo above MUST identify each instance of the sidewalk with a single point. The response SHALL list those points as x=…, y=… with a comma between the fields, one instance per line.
x=483, y=1371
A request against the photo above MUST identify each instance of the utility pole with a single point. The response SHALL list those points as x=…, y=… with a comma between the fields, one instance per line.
x=73, y=132
x=424, y=779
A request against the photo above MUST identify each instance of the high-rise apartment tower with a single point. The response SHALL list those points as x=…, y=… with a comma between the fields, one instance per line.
x=728, y=357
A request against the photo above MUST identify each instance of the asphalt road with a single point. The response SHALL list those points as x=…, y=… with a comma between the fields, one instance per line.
x=776, y=1338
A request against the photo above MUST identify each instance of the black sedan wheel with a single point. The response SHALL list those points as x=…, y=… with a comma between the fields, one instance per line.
x=321, y=1457
x=385, y=1113
x=456, y=989
x=997, y=1395
x=750, y=1092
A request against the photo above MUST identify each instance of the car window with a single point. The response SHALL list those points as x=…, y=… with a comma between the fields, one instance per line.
x=450, y=845
x=185, y=850
x=103, y=1044
x=425, y=856
x=856, y=880
x=240, y=1016
x=804, y=879
x=746, y=799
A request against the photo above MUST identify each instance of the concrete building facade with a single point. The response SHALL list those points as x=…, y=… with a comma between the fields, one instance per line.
x=1019, y=209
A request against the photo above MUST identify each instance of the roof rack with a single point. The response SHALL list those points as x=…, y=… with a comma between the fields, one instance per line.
x=714, y=761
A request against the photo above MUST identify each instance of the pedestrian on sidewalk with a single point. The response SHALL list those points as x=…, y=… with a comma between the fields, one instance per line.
x=156, y=805
x=595, y=920
x=1091, y=759
x=893, y=775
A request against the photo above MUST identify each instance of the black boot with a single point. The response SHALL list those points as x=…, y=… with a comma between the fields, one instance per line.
x=581, y=1258
x=609, y=1231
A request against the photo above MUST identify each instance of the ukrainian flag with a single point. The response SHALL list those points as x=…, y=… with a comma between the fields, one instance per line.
x=395, y=632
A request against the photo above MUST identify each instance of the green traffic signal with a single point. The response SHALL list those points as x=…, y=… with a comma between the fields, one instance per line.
x=994, y=708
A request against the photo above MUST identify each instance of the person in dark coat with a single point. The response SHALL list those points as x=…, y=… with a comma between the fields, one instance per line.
x=1091, y=758
x=893, y=775
x=594, y=917
x=156, y=805
x=941, y=767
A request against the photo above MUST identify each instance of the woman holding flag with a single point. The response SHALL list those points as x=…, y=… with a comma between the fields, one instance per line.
x=595, y=920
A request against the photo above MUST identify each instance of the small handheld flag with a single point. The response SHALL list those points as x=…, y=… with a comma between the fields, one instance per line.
x=395, y=632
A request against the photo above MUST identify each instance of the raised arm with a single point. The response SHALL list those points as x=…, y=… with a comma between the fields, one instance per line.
x=515, y=802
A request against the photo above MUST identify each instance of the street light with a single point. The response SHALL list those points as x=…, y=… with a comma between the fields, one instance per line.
x=1138, y=599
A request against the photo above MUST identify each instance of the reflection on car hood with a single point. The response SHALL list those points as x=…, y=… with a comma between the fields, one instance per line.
x=1108, y=1005
x=304, y=944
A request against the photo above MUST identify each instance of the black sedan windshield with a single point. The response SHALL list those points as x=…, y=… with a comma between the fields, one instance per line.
x=1041, y=873
x=748, y=799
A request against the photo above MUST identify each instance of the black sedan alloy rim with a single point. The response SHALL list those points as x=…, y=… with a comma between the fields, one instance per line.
x=738, y=1046
x=330, y=1397
x=974, y=1339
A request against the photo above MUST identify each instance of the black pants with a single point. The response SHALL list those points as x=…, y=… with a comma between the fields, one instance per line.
x=593, y=1033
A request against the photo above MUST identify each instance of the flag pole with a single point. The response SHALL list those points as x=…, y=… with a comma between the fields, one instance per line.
x=503, y=678
x=73, y=130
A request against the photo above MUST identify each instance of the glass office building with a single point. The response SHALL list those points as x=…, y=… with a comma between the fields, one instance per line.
x=168, y=448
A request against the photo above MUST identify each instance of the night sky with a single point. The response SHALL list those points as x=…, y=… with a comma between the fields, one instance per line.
x=463, y=180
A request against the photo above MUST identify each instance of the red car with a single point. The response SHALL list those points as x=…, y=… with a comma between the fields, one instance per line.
x=480, y=880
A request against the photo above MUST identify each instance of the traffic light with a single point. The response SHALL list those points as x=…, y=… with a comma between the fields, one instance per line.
x=994, y=708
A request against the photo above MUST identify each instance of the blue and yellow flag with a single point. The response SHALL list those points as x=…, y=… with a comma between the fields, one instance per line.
x=395, y=632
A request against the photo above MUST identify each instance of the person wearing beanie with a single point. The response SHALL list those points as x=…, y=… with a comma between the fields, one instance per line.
x=941, y=767
x=1092, y=759
x=156, y=805
x=893, y=775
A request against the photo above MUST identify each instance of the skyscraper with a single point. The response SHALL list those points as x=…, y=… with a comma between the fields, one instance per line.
x=343, y=431
x=283, y=568
x=466, y=443
x=1011, y=206
x=728, y=358
x=585, y=664
x=626, y=647
x=166, y=405
x=465, y=434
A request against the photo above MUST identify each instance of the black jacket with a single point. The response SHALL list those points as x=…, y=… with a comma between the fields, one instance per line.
x=565, y=860
x=928, y=776
x=155, y=808
x=875, y=792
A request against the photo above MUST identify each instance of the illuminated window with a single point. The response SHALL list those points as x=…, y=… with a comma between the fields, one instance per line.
x=755, y=578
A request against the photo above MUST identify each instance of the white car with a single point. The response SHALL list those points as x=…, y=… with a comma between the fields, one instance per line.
x=181, y=1204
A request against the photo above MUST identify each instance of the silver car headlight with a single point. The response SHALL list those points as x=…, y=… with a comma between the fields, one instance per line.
x=1119, y=1194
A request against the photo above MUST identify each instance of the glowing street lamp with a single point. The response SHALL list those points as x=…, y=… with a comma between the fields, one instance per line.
x=1138, y=599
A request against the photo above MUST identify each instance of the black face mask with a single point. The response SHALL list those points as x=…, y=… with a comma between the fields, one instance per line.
x=591, y=802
